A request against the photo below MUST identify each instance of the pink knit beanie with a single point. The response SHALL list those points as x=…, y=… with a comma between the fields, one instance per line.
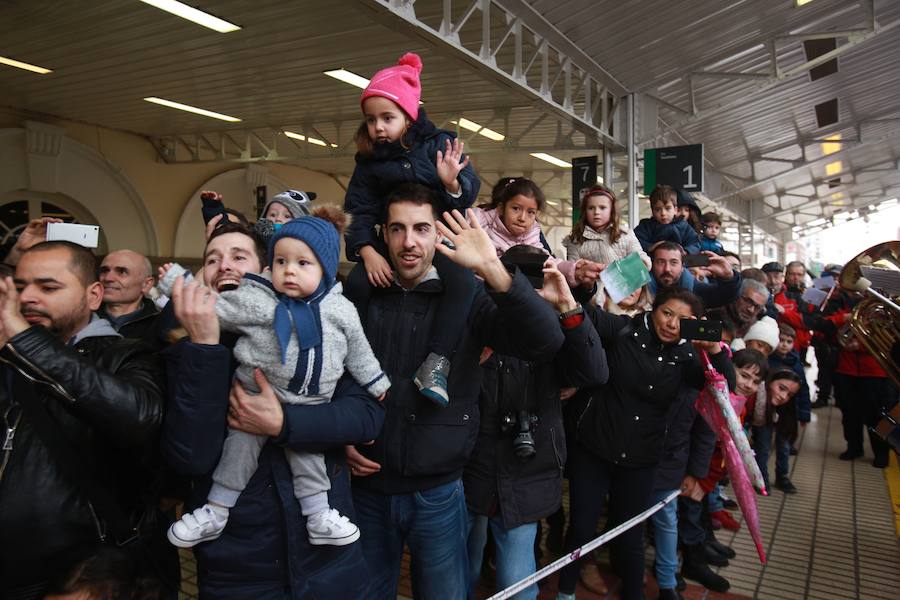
x=399, y=83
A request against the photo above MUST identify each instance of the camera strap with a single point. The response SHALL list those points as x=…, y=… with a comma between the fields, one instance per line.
x=70, y=462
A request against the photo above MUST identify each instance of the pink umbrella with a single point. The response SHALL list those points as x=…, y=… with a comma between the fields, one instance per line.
x=719, y=409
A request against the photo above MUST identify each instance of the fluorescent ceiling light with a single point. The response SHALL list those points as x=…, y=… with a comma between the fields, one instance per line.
x=192, y=109
x=599, y=179
x=552, y=203
x=832, y=145
x=199, y=17
x=802, y=2
x=310, y=140
x=837, y=196
x=551, y=159
x=479, y=129
x=833, y=168
x=348, y=77
x=23, y=65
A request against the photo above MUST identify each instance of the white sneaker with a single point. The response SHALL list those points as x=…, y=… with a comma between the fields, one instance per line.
x=202, y=525
x=329, y=527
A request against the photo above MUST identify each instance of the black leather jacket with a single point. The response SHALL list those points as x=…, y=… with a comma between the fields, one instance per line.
x=105, y=395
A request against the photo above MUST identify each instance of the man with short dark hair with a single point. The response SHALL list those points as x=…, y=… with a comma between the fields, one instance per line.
x=264, y=551
x=127, y=278
x=667, y=271
x=407, y=488
x=82, y=409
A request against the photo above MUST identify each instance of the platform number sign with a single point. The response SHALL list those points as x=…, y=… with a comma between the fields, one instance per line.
x=584, y=177
x=678, y=166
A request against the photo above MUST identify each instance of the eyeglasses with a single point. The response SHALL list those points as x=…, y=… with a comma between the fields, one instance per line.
x=751, y=303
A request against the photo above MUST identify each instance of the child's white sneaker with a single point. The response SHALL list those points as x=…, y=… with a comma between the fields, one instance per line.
x=331, y=528
x=202, y=525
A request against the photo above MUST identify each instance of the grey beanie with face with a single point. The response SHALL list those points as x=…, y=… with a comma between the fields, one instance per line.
x=297, y=202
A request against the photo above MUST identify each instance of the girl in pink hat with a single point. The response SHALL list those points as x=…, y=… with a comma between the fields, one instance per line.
x=397, y=144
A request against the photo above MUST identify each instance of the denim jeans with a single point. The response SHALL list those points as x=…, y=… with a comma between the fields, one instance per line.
x=715, y=499
x=433, y=523
x=665, y=527
x=690, y=522
x=762, y=445
x=514, y=554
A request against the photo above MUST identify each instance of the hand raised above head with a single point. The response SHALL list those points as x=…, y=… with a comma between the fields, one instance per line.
x=449, y=163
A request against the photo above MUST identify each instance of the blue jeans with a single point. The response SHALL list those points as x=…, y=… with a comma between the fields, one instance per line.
x=432, y=523
x=715, y=499
x=514, y=554
x=762, y=445
x=665, y=526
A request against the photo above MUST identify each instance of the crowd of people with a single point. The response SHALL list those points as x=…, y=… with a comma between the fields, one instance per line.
x=298, y=432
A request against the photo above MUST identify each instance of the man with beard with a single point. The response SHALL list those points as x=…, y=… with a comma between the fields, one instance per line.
x=82, y=409
x=127, y=277
x=746, y=310
x=667, y=271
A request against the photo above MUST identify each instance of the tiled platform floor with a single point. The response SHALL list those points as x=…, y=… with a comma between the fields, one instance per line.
x=835, y=539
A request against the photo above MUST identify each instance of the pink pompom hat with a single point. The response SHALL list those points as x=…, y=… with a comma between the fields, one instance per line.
x=399, y=83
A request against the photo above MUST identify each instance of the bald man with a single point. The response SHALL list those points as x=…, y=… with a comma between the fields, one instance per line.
x=127, y=277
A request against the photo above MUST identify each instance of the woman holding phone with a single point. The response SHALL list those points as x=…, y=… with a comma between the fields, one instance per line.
x=621, y=427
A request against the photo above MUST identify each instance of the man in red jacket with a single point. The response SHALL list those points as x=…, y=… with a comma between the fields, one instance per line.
x=789, y=302
x=862, y=389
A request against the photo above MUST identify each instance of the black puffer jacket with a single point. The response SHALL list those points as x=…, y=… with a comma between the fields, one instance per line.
x=422, y=445
x=624, y=421
x=105, y=394
x=495, y=479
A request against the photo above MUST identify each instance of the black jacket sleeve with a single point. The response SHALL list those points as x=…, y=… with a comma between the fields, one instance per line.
x=126, y=406
x=352, y=417
x=607, y=325
x=694, y=376
x=199, y=378
x=517, y=323
x=581, y=361
x=719, y=292
x=703, y=443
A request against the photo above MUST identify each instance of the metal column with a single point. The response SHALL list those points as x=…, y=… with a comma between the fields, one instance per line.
x=633, y=212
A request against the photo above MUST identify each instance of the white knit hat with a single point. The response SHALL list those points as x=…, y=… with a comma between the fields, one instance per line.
x=764, y=330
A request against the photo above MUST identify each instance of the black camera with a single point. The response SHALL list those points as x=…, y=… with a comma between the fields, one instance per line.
x=520, y=425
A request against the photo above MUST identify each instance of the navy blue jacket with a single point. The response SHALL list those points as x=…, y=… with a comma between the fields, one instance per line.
x=715, y=293
x=390, y=165
x=264, y=553
x=707, y=244
x=649, y=232
x=689, y=443
x=423, y=445
x=793, y=363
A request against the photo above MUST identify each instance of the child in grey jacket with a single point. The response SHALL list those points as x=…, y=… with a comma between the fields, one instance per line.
x=299, y=329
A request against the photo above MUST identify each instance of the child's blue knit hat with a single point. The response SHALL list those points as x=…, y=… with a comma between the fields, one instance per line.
x=320, y=235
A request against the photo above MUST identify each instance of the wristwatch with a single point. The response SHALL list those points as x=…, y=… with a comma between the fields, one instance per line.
x=578, y=310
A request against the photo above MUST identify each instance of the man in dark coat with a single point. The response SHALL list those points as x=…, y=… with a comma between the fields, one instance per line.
x=264, y=552
x=127, y=277
x=408, y=484
x=82, y=409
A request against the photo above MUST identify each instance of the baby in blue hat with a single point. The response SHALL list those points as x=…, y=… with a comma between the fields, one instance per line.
x=298, y=328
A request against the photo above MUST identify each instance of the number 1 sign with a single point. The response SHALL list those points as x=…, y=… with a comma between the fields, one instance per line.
x=678, y=166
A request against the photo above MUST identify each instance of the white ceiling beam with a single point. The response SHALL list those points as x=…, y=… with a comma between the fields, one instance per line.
x=446, y=39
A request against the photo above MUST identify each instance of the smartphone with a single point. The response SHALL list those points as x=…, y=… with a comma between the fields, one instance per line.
x=531, y=265
x=697, y=329
x=695, y=260
x=83, y=235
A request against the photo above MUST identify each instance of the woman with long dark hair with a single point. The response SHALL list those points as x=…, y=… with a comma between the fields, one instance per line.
x=620, y=428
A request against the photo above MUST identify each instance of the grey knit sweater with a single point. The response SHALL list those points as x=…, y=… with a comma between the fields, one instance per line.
x=250, y=311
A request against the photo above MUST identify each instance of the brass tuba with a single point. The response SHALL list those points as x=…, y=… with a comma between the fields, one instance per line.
x=875, y=321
